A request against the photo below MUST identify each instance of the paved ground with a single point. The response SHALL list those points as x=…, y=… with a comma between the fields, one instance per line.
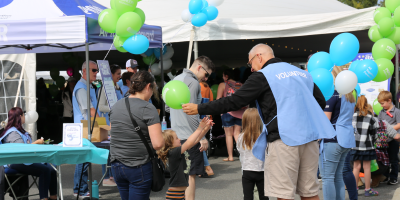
x=225, y=185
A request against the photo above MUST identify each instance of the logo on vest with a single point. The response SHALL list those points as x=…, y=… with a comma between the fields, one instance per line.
x=289, y=74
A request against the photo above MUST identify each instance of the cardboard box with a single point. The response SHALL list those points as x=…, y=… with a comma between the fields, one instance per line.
x=100, y=129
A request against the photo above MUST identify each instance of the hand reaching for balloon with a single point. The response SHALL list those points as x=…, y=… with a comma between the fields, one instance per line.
x=190, y=108
x=203, y=123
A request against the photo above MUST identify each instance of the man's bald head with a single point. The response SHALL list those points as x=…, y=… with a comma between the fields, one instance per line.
x=259, y=55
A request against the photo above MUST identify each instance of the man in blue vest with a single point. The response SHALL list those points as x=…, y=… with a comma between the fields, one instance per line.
x=291, y=107
x=80, y=108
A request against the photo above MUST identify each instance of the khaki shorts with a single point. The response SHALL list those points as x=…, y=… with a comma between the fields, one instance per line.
x=291, y=170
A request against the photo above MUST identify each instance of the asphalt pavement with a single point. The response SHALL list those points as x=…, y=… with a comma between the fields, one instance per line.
x=226, y=184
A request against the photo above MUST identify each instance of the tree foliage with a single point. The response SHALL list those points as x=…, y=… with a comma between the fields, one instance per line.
x=359, y=4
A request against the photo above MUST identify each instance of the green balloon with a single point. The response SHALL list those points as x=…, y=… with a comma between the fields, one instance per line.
x=53, y=89
x=149, y=59
x=374, y=34
x=118, y=42
x=395, y=36
x=60, y=82
x=396, y=17
x=385, y=69
x=128, y=24
x=176, y=93
x=108, y=20
x=54, y=73
x=392, y=5
x=355, y=94
x=386, y=26
x=214, y=89
x=377, y=106
x=384, y=48
x=123, y=6
x=140, y=12
x=380, y=13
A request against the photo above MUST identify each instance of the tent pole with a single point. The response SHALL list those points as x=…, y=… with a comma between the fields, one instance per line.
x=162, y=80
x=20, y=81
x=196, y=50
x=88, y=113
x=190, y=47
x=396, y=71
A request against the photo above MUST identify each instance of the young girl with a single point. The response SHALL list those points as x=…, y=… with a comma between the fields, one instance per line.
x=253, y=169
x=365, y=129
x=175, y=157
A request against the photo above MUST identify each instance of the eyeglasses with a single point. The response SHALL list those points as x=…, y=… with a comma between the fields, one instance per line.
x=249, y=63
x=207, y=74
x=95, y=70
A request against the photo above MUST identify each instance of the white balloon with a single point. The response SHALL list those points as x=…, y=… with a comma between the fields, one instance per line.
x=169, y=54
x=155, y=69
x=345, y=82
x=215, y=2
x=186, y=15
x=31, y=117
x=167, y=64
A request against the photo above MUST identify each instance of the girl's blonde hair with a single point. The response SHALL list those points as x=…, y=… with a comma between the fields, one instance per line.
x=168, y=136
x=252, y=127
x=349, y=96
x=363, y=106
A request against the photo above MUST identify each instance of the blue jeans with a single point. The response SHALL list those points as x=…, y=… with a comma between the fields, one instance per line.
x=134, y=183
x=229, y=120
x=47, y=177
x=393, y=152
x=84, y=185
x=206, y=163
x=331, y=163
x=349, y=179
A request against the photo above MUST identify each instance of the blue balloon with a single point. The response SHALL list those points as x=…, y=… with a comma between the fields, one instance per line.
x=320, y=60
x=211, y=12
x=366, y=70
x=136, y=44
x=199, y=20
x=354, y=64
x=157, y=52
x=195, y=6
x=205, y=4
x=329, y=95
x=344, y=48
x=324, y=80
x=149, y=52
x=358, y=90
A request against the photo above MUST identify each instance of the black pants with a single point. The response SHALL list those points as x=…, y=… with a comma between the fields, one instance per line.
x=393, y=152
x=249, y=180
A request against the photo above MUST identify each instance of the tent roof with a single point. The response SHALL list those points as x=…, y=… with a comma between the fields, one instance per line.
x=257, y=19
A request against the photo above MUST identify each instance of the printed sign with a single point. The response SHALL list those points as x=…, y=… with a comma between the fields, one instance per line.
x=72, y=135
x=108, y=83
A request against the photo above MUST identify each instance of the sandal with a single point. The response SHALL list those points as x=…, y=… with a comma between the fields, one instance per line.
x=227, y=160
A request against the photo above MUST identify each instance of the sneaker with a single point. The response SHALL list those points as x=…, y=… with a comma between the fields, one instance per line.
x=84, y=196
x=370, y=192
x=109, y=183
x=385, y=180
x=392, y=182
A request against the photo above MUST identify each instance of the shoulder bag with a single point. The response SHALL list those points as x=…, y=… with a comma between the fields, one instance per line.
x=158, y=172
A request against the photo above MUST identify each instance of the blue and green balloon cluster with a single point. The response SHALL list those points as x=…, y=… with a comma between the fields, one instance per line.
x=201, y=11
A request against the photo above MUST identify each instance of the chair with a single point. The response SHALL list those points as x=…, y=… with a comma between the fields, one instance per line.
x=13, y=173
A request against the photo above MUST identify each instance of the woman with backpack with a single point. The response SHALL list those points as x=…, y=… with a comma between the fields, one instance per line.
x=231, y=121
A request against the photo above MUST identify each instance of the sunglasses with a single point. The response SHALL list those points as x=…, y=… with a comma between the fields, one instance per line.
x=207, y=74
x=249, y=63
x=95, y=70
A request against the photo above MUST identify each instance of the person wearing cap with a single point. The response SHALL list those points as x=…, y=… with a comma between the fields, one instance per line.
x=131, y=66
x=66, y=97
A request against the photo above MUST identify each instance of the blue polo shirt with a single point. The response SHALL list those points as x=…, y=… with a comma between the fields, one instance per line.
x=333, y=105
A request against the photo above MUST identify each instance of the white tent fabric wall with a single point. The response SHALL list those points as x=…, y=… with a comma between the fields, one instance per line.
x=10, y=69
x=256, y=19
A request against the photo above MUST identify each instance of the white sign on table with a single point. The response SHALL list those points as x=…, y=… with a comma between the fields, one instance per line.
x=108, y=84
x=72, y=134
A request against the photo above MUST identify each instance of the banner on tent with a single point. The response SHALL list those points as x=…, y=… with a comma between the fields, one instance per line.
x=363, y=56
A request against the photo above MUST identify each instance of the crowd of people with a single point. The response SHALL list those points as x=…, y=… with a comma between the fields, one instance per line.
x=285, y=131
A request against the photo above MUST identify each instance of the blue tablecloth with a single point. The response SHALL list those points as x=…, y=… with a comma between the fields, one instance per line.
x=16, y=153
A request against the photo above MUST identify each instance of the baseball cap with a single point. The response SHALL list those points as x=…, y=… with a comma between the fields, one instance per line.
x=131, y=63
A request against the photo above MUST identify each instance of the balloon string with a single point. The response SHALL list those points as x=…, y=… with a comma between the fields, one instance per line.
x=175, y=34
x=108, y=51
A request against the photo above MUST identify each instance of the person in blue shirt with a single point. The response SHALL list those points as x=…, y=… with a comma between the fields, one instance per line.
x=126, y=80
x=334, y=160
x=131, y=66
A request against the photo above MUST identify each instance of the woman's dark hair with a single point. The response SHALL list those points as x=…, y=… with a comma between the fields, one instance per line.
x=126, y=76
x=140, y=80
x=230, y=74
x=14, y=120
x=114, y=68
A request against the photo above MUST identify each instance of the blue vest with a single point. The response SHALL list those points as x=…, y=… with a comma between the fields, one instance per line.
x=77, y=112
x=124, y=89
x=25, y=137
x=344, y=126
x=300, y=117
